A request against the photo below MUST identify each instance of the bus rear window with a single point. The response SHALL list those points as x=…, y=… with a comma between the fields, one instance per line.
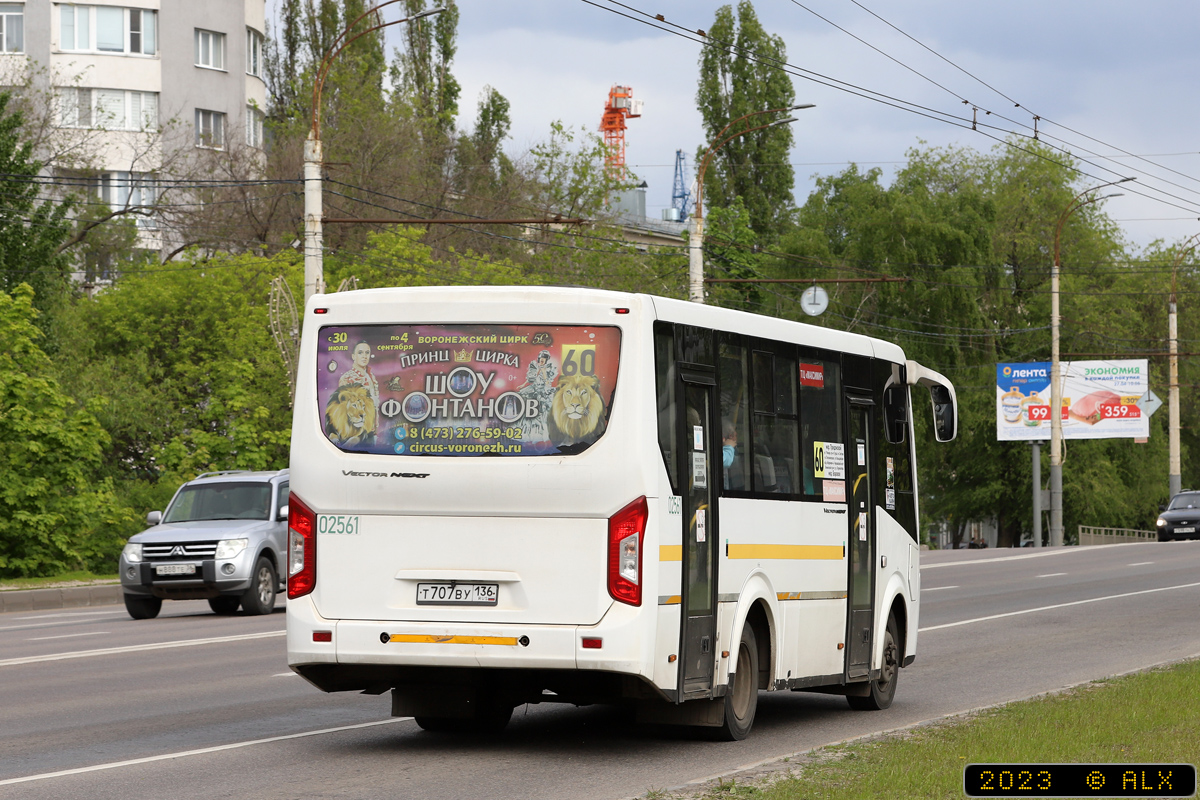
x=466, y=390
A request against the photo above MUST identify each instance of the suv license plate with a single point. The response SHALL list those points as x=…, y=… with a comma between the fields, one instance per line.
x=457, y=594
x=175, y=569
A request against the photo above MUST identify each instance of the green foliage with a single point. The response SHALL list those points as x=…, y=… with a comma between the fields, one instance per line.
x=731, y=251
x=55, y=514
x=974, y=234
x=492, y=125
x=422, y=69
x=191, y=377
x=573, y=179
x=31, y=232
x=739, y=75
x=398, y=257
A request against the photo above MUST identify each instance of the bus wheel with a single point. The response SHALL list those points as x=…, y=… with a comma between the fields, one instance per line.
x=883, y=688
x=742, y=699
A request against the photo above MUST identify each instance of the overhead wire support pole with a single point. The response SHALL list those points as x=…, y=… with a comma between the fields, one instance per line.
x=1175, y=470
x=1056, y=491
x=314, y=264
x=696, y=234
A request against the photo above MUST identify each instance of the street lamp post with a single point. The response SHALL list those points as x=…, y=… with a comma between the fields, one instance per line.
x=1056, y=493
x=1174, y=476
x=314, y=266
x=696, y=235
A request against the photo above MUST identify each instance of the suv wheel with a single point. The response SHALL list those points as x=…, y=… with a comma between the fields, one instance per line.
x=142, y=606
x=260, y=597
x=224, y=605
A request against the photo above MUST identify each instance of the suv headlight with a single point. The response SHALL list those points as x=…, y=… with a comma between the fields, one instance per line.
x=1161, y=522
x=228, y=548
x=132, y=553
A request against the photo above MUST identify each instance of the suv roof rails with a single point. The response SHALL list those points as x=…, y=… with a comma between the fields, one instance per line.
x=221, y=472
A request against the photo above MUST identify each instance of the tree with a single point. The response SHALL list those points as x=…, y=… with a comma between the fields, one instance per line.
x=731, y=251
x=422, y=70
x=31, y=230
x=186, y=366
x=55, y=511
x=974, y=234
x=739, y=74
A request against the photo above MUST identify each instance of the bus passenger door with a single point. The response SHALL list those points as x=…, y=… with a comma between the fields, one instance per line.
x=698, y=645
x=862, y=544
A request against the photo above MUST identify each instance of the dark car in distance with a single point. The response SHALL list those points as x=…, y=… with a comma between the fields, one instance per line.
x=1180, y=519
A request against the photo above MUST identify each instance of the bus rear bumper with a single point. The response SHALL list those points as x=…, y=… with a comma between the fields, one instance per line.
x=613, y=645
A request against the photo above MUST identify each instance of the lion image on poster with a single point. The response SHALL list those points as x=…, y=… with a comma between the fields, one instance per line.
x=577, y=411
x=350, y=416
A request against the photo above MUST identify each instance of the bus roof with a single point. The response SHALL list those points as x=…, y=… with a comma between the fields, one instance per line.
x=664, y=308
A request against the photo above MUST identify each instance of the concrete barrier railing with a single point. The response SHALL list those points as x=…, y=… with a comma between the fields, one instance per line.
x=1089, y=535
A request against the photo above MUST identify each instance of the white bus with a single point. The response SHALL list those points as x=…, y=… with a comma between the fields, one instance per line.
x=508, y=495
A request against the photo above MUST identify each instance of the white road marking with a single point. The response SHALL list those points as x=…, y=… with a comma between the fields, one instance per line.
x=936, y=588
x=1051, y=575
x=66, y=636
x=284, y=675
x=203, y=750
x=58, y=624
x=1064, y=551
x=1057, y=605
x=67, y=614
x=1140, y=564
x=137, y=648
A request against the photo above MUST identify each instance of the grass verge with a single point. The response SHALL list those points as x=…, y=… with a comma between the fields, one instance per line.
x=79, y=578
x=1148, y=717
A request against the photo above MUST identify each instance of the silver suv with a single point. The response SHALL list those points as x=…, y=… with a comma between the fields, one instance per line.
x=222, y=539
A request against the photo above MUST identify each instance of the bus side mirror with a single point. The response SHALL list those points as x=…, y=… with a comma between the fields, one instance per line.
x=945, y=420
x=941, y=392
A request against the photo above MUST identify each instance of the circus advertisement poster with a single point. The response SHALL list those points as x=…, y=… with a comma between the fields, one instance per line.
x=1099, y=400
x=466, y=390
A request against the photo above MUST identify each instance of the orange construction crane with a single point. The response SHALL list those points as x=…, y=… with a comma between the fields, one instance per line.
x=621, y=106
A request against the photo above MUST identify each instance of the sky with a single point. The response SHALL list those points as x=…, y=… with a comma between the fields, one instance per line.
x=1118, y=79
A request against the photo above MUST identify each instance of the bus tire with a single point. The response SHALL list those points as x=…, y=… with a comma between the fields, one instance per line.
x=260, y=597
x=142, y=607
x=741, y=701
x=883, y=688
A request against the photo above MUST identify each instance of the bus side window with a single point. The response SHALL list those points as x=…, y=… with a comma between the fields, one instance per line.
x=774, y=459
x=895, y=412
x=733, y=382
x=821, y=424
x=664, y=380
x=895, y=492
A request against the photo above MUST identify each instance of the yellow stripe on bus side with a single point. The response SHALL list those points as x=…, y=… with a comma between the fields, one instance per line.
x=804, y=552
x=412, y=638
x=670, y=552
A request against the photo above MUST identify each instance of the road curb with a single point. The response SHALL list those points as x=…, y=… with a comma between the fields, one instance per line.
x=694, y=789
x=65, y=597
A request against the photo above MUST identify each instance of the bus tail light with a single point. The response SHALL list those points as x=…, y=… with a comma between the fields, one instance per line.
x=626, y=530
x=302, y=549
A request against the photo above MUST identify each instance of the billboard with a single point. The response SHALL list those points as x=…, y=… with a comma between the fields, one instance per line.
x=1099, y=400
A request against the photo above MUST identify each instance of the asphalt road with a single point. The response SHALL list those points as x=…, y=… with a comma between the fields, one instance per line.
x=122, y=707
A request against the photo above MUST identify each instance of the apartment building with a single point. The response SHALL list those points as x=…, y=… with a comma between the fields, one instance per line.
x=140, y=87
